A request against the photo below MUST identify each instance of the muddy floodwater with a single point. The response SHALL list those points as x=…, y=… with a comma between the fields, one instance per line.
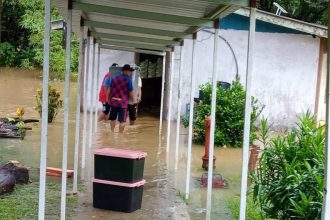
x=164, y=188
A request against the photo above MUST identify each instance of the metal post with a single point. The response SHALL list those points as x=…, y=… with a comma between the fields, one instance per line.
x=178, y=119
x=247, y=114
x=92, y=98
x=77, y=135
x=44, y=119
x=86, y=79
x=66, y=113
x=97, y=87
x=326, y=199
x=162, y=98
x=212, y=125
x=191, y=116
x=169, y=104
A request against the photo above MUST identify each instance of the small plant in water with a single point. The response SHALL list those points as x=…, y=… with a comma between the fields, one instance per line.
x=289, y=180
x=54, y=103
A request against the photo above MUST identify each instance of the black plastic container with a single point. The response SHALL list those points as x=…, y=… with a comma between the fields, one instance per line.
x=119, y=165
x=116, y=196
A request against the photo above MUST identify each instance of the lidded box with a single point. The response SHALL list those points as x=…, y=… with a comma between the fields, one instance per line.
x=119, y=165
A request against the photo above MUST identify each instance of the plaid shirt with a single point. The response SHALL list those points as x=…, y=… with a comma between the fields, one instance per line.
x=121, y=86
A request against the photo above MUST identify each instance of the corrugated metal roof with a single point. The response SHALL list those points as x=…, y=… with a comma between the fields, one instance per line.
x=146, y=24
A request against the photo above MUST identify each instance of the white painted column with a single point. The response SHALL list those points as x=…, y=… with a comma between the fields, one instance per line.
x=212, y=125
x=169, y=104
x=162, y=99
x=66, y=113
x=247, y=114
x=92, y=96
x=178, y=119
x=191, y=116
x=44, y=118
x=97, y=88
x=86, y=79
x=77, y=135
x=326, y=199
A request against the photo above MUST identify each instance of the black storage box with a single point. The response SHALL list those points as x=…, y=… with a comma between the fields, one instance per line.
x=116, y=196
x=119, y=165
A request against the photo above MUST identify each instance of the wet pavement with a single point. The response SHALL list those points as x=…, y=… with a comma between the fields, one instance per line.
x=164, y=188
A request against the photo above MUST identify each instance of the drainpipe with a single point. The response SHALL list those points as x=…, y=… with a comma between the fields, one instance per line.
x=247, y=114
x=90, y=140
x=326, y=200
x=44, y=118
x=177, y=139
x=169, y=103
x=66, y=110
x=213, y=122
x=191, y=115
x=77, y=137
x=85, y=120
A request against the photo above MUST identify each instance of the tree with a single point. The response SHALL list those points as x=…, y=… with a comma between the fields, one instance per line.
x=312, y=11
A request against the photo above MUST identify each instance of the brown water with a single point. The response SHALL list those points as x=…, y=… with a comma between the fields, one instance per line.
x=163, y=186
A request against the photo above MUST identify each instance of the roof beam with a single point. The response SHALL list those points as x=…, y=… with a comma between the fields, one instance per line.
x=135, y=29
x=133, y=38
x=133, y=50
x=241, y=3
x=142, y=14
x=136, y=45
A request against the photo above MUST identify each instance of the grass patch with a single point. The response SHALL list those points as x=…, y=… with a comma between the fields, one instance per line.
x=23, y=202
x=252, y=210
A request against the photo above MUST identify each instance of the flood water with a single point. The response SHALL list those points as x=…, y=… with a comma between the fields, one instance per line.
x=164, y=186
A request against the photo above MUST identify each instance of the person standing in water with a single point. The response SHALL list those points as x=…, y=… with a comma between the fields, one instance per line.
x=137, y=90
x=119, y=91
x=102, y=94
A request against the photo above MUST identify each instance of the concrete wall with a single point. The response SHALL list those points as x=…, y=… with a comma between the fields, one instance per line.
x=285, y=70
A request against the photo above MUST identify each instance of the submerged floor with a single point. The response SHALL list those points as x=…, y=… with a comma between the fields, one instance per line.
x=164, y=186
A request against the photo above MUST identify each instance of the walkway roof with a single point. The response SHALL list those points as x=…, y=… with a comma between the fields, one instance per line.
x=149, y=25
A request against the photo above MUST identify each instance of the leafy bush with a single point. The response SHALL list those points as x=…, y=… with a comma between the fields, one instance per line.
x=229, y=115
x=54, y=103
x=7, y=54
x=289, y=180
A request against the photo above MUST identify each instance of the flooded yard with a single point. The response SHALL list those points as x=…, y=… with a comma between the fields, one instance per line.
x=164, y=188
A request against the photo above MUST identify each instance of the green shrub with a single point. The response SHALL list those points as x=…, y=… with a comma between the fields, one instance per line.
x=7, y=54
x=289, y=180
x=229, y=115
x=54, y=103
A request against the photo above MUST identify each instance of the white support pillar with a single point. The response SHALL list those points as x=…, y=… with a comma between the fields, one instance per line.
x=247, y=114
x=178, y=119
x=191, y=116
x=169, y=104
x=85, y=119
x=162, y=99
x=97, y=88
x=66, y=113
x=90, y=139
x=213, y=122
x=77, y=135
x=44, y=118
x=326, y=199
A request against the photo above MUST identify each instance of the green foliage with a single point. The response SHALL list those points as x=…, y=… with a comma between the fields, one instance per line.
x=28, y=42
x=54, y=103
x=289, y=181
x=7, y=54
x=229, y=115
x=252, y=210
x=306, y=10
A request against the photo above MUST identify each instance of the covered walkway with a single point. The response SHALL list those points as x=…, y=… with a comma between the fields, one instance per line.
x=151, y=27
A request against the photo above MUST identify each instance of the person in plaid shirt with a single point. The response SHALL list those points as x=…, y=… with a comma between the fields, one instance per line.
x=118, y=93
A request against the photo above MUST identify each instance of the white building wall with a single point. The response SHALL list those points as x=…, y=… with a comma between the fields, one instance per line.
x=285, y=70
